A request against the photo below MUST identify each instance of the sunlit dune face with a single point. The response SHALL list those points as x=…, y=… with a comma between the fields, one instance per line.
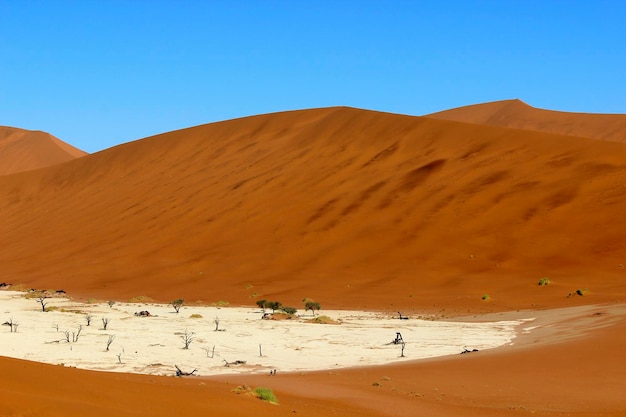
x=499, y=209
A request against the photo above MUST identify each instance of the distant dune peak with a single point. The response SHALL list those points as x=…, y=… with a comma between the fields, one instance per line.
x=25, y=150
x=517, y=114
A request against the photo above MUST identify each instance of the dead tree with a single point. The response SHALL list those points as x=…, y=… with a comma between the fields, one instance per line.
x=12, y=325
x=105, y=322
x=111, y=339
x=88, y=317
x=212, y=352
x=179, y=372
x=76, y=335
x=187, y=338
x=119, y=358
x=403, y=345
x=217, y=323
x=237, y=362
x=42, y=300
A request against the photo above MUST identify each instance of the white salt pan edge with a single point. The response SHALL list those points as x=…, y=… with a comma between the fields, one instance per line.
x=153, y=345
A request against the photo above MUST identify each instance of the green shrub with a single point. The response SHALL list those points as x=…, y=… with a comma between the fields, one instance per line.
x=266, y=394
x=312, y=305
x=485, y=297
x=274, y=305
x=579, y=291
x=289, y=310
x=544, y=281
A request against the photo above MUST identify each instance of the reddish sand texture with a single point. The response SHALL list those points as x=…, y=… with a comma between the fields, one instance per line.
x=355, y=209
x=25, y=150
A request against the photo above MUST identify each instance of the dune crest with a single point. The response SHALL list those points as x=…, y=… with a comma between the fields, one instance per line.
x=26, y=150
x=519, y=115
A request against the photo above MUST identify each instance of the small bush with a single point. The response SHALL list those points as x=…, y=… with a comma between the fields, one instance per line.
x=544, y=281
x=486, y=297
x=274, y=305
x=579, y=292
x=266, y=394
x=289, y=310
x=195, y=316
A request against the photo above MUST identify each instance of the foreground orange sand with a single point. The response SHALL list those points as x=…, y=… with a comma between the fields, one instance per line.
x=354, y=209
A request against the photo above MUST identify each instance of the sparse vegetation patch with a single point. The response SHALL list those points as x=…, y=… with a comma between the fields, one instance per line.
x=579, y=292
x=266, y=394
x=544, y=281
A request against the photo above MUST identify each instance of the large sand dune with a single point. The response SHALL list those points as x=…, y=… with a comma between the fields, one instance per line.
x=348, y=207
x=355, y=209
x=25, y=150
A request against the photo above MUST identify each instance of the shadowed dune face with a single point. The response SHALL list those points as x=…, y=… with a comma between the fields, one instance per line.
x=25, y=150
x=349, y=207
x=519, y=115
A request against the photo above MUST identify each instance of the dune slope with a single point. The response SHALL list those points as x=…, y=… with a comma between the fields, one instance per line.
x=25, y=150
x=354, y=209
x=519, y=115
x=349, y=207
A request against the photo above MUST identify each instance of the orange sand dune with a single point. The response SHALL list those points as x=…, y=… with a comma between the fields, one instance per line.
x=519, y=115
x=349, y=207
x=354, y=209
x=25, y=150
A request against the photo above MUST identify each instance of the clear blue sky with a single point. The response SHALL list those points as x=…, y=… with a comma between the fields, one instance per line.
x=100, y=73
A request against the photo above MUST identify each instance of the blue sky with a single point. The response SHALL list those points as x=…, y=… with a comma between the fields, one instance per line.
x=100, y=73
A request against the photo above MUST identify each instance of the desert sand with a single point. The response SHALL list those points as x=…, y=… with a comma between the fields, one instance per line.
x=361, y=211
